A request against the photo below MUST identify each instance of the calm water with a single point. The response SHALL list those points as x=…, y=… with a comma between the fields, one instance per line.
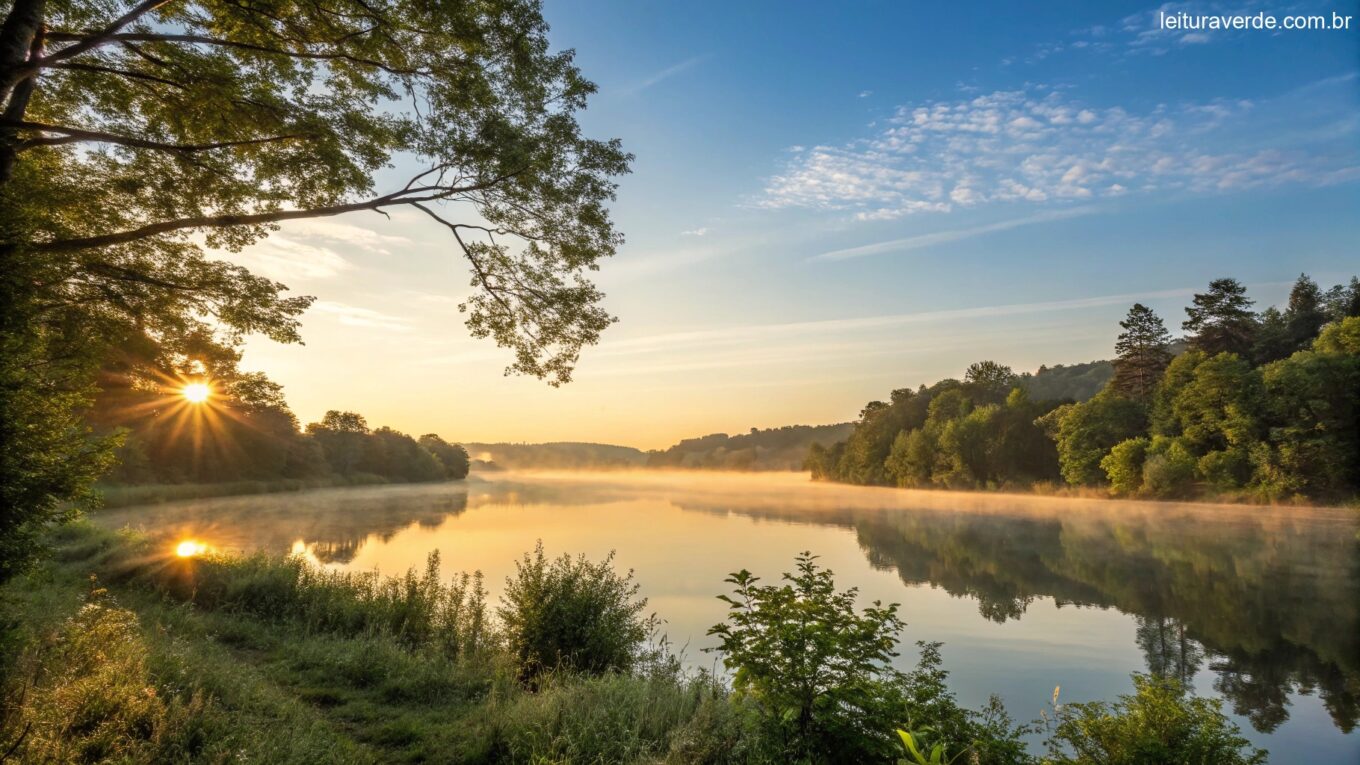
x=1258, y=607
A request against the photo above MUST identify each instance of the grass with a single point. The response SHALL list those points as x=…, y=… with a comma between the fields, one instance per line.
x=118, y=653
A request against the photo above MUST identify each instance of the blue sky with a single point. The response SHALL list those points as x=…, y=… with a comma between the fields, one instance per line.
x=831, y=201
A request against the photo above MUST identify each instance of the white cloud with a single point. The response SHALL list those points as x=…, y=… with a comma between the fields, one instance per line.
x=347, y=233
x=666, y=74
x=284, y=258
x=953, y=235
x=701, y=231
x=355, y=316
x=1013, y=146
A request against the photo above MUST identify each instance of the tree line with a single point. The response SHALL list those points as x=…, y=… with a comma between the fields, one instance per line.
x=1259, y=405
x=242, y=429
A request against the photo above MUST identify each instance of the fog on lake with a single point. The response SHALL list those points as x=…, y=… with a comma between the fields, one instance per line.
x=1258, y=606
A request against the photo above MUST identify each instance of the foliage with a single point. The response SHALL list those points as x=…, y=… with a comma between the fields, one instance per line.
x=1123, y=466
x=1167, y=424
x=1084, y=433
x=819, y=670
x=1143, y=351
x=452, y=458
x=1067, y=382
x=1220, y=320
x=819, y=674
x=1169, y=470
x=574, y=615
x=139, y=135
x=1159, y=723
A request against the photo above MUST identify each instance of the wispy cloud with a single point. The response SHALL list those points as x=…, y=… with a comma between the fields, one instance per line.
x=701, y=231
x=284, y=258
x=347, y=233
x=920, y=241
x=666, y=74
x=356, y=316
x=764, y=333
x=1045, y=147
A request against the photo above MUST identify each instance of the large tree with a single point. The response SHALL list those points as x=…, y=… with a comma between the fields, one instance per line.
x=1221, y=320
x=1143, y=351
x=136, y=136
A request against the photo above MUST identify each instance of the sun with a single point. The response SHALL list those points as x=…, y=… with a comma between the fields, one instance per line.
x=189, y=548
x=196, y=393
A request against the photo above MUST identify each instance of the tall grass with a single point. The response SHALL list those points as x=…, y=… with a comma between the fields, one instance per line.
x=416, y=610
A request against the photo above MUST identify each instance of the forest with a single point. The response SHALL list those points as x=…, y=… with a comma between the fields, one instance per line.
x=1258, y=406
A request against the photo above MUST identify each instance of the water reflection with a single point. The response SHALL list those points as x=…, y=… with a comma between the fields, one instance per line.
x=1268, y=600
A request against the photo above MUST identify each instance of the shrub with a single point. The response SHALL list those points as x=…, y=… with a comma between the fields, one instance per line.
x=1169, y=470
x=1159, y=723
x=1225, y=470
x=572, y=614
x=1124, y=465
x=818, y=675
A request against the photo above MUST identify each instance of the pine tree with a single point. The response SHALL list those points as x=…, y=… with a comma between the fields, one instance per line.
x=1305, y=313
x=1143, y=350
x=1221, y=319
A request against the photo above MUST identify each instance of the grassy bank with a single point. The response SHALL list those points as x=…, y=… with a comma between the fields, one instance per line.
x=120, y=495
x=116, y=651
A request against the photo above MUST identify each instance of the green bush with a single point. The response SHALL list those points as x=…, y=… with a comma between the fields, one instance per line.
x=1225, y=470
x=818, y=675
x=572, y=614
x=1169, y=470
x=1124, y=465
x=1160, y=723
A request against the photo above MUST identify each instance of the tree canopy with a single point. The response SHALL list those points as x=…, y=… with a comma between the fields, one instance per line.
x=136, y=136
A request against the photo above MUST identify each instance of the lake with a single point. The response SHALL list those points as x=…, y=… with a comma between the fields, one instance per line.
x=1257, y=606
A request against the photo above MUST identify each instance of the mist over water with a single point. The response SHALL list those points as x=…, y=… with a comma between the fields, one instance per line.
x=1258, y=607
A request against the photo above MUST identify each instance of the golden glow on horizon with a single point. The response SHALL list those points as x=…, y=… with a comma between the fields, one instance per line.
x=189, y=548
x=197, y=392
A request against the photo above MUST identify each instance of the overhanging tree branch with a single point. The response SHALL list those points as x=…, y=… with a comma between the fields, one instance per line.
x=150, y=37
x=74, y=135
x=406, y=196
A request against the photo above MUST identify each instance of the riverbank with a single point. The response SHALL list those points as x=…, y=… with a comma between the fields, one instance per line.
x=118, y=496
x=116, y=649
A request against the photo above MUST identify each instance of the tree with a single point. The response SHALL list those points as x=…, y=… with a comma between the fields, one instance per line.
x=453, y=458
x=130, y=133
x=1086, y=432
x=1144, y=350
x=1221, y=321
x=990, y=381
x=1305, y=313
x=1343, y=300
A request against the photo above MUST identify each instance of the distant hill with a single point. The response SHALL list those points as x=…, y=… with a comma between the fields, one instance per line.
x=1076, y=382
x=562, y=455
x=772, y=449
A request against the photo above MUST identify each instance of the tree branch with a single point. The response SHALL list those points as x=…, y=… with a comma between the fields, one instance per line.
x=395, y=199
x=97, y=39
x=132, y=37
x=75, y=135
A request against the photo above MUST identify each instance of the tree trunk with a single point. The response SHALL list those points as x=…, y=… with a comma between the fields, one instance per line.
x=20, y=41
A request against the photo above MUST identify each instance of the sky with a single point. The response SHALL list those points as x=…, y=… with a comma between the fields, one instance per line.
x=830, y=201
